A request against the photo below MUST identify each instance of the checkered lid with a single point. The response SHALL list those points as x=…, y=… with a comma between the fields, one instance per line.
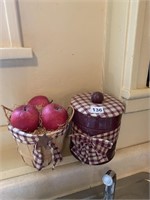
x=110, y=107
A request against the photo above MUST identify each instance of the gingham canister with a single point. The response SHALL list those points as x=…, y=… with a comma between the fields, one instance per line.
x=95, y=128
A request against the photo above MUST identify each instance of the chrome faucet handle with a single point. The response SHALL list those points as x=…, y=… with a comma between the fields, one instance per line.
x=109, y=180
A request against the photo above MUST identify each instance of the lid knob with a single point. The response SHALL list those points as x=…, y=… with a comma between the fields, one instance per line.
x=97, y=97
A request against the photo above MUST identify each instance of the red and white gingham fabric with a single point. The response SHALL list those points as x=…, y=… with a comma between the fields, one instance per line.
x=92, y=149
x=31, y=139
x=112, y=107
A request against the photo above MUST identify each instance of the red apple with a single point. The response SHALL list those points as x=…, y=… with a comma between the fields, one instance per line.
x=25, y=118
x=39, y=101
x=53, y=116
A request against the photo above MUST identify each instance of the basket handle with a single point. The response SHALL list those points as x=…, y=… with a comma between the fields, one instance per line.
x=72, y=113
x=6, y=110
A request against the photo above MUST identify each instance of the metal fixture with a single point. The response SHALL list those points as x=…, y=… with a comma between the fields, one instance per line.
x=109, y=180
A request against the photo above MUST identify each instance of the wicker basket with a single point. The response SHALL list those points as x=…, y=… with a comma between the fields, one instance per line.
x=48, y=150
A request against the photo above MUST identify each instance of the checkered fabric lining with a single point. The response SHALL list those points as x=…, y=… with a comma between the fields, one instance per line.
x=112, y=107
x=92, y=149
x=30, y=139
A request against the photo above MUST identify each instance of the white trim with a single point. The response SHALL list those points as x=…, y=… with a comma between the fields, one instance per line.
x=133, y=50
x=136, y=93
x=136, y=105
x=138, y=43
x=15, y=53
x=125, y=32
x=136, y=100
x=12, y=22
x=15, y=50
x=131, y=29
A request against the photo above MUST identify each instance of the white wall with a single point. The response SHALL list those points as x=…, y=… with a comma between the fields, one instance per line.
x=67, y=38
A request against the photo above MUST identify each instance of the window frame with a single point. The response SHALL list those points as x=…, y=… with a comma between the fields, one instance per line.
x=124, y=34
x=132, y=53
x=16, y=50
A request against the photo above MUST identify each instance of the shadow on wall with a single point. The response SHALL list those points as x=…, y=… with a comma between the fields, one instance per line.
x=19, y=62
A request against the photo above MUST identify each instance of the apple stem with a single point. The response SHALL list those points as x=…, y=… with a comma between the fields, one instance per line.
x=25, y=108
x=58, y=108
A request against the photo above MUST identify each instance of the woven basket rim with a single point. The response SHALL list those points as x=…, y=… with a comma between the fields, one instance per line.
x=44, y=131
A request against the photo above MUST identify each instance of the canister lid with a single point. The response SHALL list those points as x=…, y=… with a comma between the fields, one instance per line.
x=110, y=107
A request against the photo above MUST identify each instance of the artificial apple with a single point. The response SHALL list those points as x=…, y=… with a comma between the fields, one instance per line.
x=39, y=101
x=53, y=116
x=25, y=118
x=97, y=97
